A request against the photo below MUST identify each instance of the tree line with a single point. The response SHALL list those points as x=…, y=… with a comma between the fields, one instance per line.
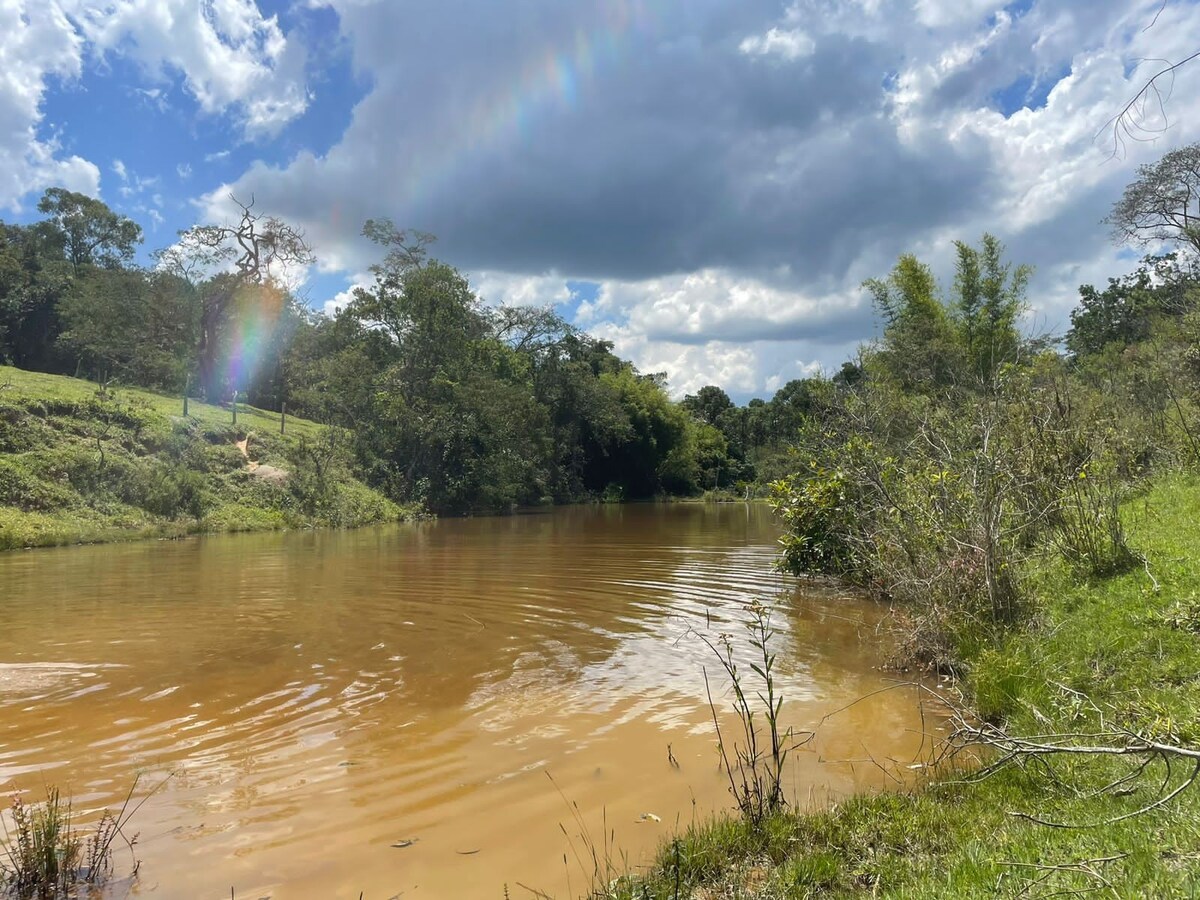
x=437, y=397
x=967, y=449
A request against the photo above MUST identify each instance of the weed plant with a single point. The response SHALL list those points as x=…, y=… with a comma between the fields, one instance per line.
x=754, y=760
x=45, y=856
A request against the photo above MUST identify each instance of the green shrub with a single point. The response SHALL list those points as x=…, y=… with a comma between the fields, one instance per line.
x=815, y=508
x=238, y=517
x=28, y=489
x=173, y=491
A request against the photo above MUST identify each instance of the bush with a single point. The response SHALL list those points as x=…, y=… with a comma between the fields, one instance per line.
x=27, y=489
x=938, y=504
x=238, y=517
x=173, y=491
x=816, y=511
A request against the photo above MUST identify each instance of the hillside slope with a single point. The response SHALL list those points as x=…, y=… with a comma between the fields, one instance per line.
x=81, y=465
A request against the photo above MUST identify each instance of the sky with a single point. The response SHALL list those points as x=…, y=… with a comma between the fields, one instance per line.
x=706, y=183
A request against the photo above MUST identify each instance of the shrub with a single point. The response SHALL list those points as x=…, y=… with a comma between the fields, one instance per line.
x=172, y=491
x=25, y=488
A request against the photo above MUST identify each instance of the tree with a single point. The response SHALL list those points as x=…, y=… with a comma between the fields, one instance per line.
x=34, y=278
x=1162, y=203
x=256, y=251
x=1123, y=314
x=708, y=403
x=989, y=297
x=791, y=405
x=920, y=347
x=92, y=234
x=136, y=324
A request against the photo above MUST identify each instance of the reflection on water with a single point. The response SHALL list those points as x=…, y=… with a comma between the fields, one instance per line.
x=321, y=697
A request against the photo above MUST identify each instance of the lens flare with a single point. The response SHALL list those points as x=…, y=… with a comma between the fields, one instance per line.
x=556, y=80
x=254, y=318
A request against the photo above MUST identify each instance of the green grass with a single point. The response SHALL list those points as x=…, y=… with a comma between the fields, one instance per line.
x=79, y=466
x=1131, y=650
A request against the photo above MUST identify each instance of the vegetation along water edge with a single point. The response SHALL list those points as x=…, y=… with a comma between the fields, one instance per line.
x=1031, y=515
x=1027, y=505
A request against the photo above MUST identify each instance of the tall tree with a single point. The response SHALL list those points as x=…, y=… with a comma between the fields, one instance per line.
x=920, y=347
x=92, y=234
x=255, y=254
x=708, y=403
x=134, y=324
x=34, y=278
x=1162, y=203
x=989, y=298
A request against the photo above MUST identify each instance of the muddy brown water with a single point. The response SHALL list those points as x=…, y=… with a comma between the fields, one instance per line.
x=376, y=711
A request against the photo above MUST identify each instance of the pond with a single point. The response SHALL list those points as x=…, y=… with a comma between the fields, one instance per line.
x=428, y=710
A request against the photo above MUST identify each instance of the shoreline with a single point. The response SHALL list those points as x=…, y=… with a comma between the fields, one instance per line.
x=1111, y=653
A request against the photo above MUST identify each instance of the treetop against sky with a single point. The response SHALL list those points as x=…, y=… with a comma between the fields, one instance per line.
x=705, y=183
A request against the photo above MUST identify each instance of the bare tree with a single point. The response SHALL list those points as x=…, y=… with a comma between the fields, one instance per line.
x=258, y=250
x=1163, y=202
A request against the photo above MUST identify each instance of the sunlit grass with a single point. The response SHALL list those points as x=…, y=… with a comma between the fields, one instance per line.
x=78, y=465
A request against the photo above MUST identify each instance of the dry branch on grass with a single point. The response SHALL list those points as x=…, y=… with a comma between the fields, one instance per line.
x=1107, y=741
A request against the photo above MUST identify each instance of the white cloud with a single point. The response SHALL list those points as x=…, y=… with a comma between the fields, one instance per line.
x=500, y=288
x=717, y=303
x=232, y=60
x=940, y=13
x=788, y=43
x=134, y=184
x=731, y=210
x=184, y=171
x=231, y=57
x=37, y=42
x=339, y=301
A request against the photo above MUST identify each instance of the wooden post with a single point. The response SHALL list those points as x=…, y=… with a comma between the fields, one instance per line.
x=235, y=393
x=187, y=383
x=283, y=417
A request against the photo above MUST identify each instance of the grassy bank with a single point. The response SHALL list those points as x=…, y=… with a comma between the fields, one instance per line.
x=81, y=465
x=1098, y=656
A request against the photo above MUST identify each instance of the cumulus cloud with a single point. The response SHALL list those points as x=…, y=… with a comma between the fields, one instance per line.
x=37, y=43
x=231, y=58
x=229, y=54
x=502, y=288
x=339, y=301
x=727, y=172
x=788, y=43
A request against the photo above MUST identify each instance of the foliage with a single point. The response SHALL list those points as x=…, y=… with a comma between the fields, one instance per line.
x=78, y=466
x=989, y=298
x=961, y=453
x=251, y=259
x=129, y=324
x=44, y=855
x=1103, y=653
x=90, y=233
x=447, y=403
x=1161, y=203
x=815, y=510
x=920, y=348
x=1126, y=312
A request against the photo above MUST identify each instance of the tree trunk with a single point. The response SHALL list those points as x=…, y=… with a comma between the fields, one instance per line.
x=210, y=379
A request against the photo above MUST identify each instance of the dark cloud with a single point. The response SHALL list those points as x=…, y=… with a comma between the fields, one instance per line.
x=685, y=153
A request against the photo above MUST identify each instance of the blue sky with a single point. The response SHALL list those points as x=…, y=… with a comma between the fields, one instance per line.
x=705, y=183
